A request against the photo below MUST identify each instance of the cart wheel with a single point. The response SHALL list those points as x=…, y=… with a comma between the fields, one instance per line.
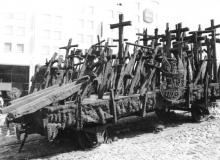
x=162, y=114
x=84, y=140
x=197, y=113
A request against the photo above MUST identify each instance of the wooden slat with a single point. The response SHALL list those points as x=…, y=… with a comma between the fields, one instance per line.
x=24, y=100
x=31, y=97
x=59, y=94
x=113, y=106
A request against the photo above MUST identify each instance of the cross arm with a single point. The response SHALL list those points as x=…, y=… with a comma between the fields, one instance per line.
x=68, y=47
x=127, y=23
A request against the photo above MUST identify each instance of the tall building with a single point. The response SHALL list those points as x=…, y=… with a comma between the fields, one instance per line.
x=32, y=31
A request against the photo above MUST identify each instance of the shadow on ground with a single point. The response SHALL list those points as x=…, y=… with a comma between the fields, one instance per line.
x=37, y=146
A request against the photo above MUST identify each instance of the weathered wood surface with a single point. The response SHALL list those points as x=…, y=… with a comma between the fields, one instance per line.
x=26, y=99
x=51, y=96
x=47, y=73
x=55, y=96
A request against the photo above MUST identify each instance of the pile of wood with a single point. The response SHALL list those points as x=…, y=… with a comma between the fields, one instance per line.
x=37, y=100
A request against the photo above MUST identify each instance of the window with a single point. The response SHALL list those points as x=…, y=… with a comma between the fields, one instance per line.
x=46, y=34
x=137, y=30
x=57, y=35
x=7, y=47
x=46, y=18
x=138, y=18
x=90, y=10
x=119, y=12
x=45, y=50
x=55, y=48
x=20, y=16
x=91, y=24
x=58, y=20
x=8, y=30
x=148, y=15
x=20, y=48
x=81, y=23
x=80, y=38
x=9, y=16
x=110, y=13
x=20, y=31
x=90, y=39
x=82, y=10
x=138, y=5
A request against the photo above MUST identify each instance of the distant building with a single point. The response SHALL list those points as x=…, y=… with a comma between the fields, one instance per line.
x=30, y=33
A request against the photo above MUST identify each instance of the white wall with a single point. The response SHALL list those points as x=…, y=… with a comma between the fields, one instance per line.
x=189, y=12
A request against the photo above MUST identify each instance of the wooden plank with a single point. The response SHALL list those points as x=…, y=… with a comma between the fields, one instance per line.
x=59, y=94
x=23, y=100
x=136, y=78
x=144, y=87
x=103, y=86
x=84, y=66
x=201, y=72
x=47, y=73
x=55, y=95
x=113, y=106
x=124, y=71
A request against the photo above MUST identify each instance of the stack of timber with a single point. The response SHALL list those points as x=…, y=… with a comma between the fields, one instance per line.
x=36, y=101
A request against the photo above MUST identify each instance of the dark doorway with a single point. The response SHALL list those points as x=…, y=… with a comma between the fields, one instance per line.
x=18, y=76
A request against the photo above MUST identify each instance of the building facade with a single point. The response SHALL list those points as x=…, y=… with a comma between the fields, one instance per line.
x=31, y=31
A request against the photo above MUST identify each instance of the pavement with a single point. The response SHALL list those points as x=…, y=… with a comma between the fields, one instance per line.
x=181, y=139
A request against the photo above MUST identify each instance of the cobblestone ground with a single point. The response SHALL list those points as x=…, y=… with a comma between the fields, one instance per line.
x=189, y=141
x=178, y=141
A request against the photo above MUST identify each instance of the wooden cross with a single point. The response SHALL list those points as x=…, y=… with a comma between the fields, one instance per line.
x=67, y=48
x=179, y=31
x=120, y=27
x=213, y=28
x=179, y=37
x=145, y=37
x=168, y=40
x=154, y=37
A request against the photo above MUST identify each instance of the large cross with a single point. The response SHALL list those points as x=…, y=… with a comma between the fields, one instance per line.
x=213, y=28
x=168, y=40
x=179, y=30
x=67, y=48
x=120, y=27
x=145, y=37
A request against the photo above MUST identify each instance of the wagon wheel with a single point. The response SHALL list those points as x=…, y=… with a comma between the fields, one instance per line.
x=196, y=112
x=162, y=114
x=84, y=140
